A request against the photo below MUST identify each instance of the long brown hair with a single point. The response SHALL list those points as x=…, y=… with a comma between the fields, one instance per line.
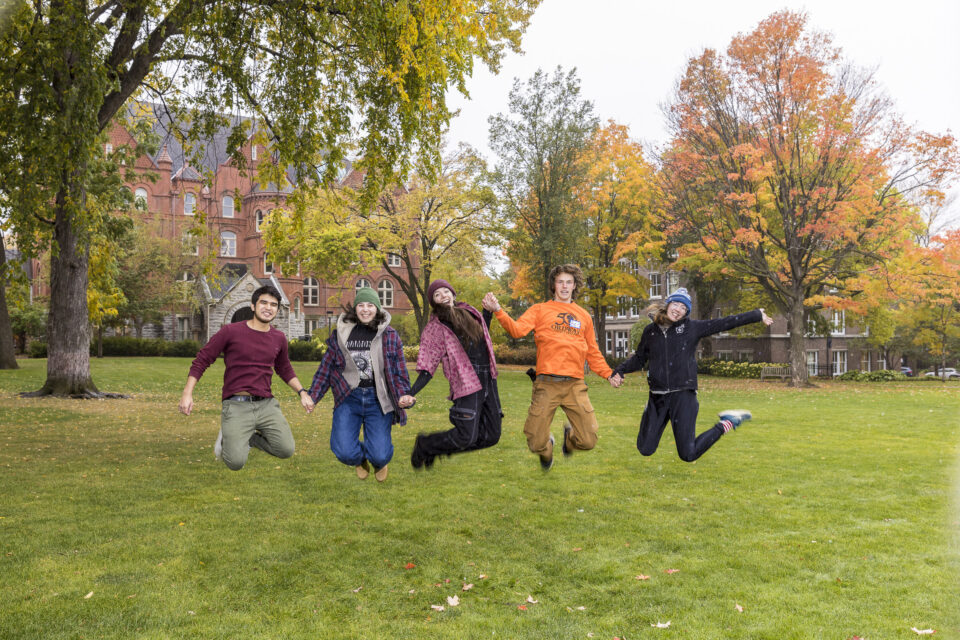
x=464, y=323
x=658, y=313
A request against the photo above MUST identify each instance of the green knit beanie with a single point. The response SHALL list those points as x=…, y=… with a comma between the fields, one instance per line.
x=366, y=294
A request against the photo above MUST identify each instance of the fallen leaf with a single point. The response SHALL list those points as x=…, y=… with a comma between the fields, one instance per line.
x=581, y=608
x=412, y=591
x=88, y=596
x=357, y=590
x=661, y=625
x=193, y=613
x=642, y=577
x=577, y=549
x=453, y=600
x=437, y=607
x=532, y=601
x=590, y=635
x=521, y=607
x=483, y=576
x=671, y=570
x=467, y=587
x=739, y=608
x=409, y=565
x=923, y=632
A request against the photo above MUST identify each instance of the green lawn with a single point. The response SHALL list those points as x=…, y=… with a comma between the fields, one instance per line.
x=833, y=514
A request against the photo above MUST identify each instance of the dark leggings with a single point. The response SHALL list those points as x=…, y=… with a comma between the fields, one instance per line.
x=680, y=408
x=475, y=419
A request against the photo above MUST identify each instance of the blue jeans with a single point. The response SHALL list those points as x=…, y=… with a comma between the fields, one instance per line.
x=362, y=408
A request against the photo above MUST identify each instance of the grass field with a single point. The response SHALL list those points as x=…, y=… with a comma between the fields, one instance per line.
x=833, y=514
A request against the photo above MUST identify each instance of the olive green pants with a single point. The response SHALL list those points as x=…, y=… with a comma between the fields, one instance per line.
x=257, y=424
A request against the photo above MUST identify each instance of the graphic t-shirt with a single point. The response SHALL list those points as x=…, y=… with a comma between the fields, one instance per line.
x=359, y=345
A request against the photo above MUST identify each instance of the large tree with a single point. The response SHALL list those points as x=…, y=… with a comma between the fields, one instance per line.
x=618, y=200
x=8, y=359
x=789, y=170
x=311, y=73
x=408, y=231
x=541, y=144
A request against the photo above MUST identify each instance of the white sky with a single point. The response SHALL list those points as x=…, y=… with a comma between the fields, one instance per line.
x=629, y=54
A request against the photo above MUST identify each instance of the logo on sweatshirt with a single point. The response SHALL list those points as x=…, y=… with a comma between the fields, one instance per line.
x=567, y=323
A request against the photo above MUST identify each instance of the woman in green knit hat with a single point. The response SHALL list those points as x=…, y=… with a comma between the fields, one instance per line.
x=364, y=365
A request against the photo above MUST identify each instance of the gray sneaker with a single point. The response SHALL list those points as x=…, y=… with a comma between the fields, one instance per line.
x=218, y=445
x=545, y=462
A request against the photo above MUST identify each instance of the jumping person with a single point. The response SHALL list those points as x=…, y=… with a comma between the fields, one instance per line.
x=364, y=365
x=668, y=347
x=563, y=332
x=457, y=336
x=250, y=416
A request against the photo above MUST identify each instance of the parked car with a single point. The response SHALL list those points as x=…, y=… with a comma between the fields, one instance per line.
x=947, y=372
x=907, y=371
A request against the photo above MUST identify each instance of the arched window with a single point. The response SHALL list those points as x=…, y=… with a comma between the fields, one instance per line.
x=311, y=292
x=267, y=264
x=385, y=291
x=361, y=283
x=227, y=207
x=189, y=202
x=140, y=199
x=228, y=244
x=259, y=219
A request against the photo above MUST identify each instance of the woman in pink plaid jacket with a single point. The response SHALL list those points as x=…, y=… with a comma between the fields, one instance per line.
x=457, y=335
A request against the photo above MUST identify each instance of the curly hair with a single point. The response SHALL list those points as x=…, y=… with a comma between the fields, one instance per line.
x=571, y=269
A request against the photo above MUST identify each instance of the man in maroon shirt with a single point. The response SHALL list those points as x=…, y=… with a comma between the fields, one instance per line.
x=251, y=416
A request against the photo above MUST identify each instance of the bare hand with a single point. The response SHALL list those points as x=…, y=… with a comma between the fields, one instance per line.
x=186, y=404
x=307, y=402
x=407, y=401
x=490, y=302
x=767, y=320
x=615, y=380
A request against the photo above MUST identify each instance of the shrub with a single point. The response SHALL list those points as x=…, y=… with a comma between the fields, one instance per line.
x=182, y=349
x=411, y=352
x=306, y=350
x=37, y=349
x=730, y=369
x=515, y=355
x=124, y=346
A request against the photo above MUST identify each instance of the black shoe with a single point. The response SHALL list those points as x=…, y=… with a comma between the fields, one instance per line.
x=418, y=458
x=567, y=428
x=545, y=462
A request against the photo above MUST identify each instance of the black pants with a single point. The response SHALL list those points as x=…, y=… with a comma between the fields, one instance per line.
x=475, y=419
x=680, y=408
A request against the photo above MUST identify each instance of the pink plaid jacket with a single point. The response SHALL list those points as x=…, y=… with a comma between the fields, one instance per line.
x=438, y=344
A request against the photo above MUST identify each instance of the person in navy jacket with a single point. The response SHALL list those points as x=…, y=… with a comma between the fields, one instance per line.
x=668, y=348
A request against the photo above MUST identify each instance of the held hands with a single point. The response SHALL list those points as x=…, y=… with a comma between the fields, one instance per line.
x=767, y=320
x=490, y=302
x=307, y=402
x=615, y=380
x=407, y=401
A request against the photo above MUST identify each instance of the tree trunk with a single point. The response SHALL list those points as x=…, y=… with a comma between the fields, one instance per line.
x=798, y=356
x=68, y=331
x=8, y=358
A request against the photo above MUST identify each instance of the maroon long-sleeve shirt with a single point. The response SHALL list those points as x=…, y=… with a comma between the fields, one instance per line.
x=250, y=357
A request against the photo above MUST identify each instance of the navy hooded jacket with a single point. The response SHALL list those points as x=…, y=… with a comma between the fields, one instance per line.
x=672, y=354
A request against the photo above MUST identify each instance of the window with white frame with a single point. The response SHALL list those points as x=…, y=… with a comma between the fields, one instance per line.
x=226, y=208
x=813, y=363
x=385, y=291
x=361, y=283
x=634, y=307
x=623, y=307
x=865, y=361
x=259, y=220
x=838, y=322
x=656, y=290
x=622, y=344
x=311, y=324
x=228, y=244
x=185, y=276
x=839, y=363
x=296, y=308
x=725, y=355
x=108, y=148
x=140, y=199
x=253, y=152
x=393, y=260
x=189, y=204
x=183, y=328
x=311, y=292
x=267, y=264
x=609, y=341
x=745, y=356
x=881, y=362
x=191, y=244
x=673, y=281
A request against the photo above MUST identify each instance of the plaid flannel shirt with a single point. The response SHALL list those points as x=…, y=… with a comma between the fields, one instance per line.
x=330, y=373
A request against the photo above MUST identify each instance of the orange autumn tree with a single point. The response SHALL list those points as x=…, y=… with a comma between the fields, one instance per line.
x=789, y=170
x=617, y=199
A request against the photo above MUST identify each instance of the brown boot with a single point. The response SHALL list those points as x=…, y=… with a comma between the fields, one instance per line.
x=363, y=470
x=381, y=473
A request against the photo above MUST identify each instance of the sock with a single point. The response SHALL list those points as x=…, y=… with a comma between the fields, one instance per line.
x=726, y=425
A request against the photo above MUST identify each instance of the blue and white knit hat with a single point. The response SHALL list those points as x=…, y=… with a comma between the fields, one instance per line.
x=681, y=296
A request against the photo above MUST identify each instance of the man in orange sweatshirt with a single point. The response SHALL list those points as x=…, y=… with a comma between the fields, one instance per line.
x=563, y=332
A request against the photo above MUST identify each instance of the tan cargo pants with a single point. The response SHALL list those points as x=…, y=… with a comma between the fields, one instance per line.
x=570, y=395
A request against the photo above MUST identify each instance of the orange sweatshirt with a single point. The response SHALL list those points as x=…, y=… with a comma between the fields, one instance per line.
x=564, y=335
